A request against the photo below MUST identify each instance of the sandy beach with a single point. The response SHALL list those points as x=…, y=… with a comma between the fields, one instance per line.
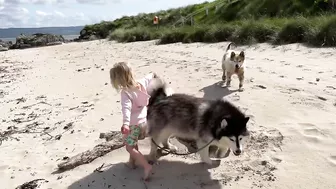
x=64, y=91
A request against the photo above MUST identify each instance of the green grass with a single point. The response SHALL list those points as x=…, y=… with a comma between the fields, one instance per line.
x=240, y=21
x=134, y=34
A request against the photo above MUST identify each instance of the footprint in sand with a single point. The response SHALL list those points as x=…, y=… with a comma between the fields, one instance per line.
x=312, y=133
x=277, y=159
x=289, y=90
x=332, y=160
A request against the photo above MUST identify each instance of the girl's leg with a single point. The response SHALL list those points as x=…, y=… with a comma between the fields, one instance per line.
x=139, y=157
x=131, y=163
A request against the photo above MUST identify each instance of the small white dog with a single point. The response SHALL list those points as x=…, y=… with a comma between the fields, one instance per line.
x=233, y=63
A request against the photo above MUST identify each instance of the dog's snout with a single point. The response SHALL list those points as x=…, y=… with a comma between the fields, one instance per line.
x=237, y=66
x=238, y=151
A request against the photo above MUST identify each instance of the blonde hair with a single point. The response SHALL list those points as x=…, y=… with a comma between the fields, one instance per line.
x=121, y=76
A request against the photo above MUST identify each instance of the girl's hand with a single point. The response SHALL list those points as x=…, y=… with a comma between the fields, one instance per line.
x=125, y=129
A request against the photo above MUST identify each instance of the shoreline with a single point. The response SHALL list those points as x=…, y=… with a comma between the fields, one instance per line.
x=6, y=45
x=156, y=42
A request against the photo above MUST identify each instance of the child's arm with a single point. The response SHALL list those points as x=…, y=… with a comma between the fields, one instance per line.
x=126, y=106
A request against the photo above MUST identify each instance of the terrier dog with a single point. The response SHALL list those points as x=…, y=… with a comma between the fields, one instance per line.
x=233, y=63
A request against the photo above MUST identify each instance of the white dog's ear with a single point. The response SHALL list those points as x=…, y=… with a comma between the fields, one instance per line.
x=224, y=123
x=242, y=54
x=233, y=54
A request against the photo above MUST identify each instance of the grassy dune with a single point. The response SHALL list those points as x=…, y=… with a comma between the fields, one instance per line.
x=242, y=21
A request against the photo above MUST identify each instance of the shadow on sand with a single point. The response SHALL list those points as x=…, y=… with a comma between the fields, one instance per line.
x=167, y=174
x=216, y=91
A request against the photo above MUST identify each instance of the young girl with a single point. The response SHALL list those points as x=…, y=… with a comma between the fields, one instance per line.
x=134, y=101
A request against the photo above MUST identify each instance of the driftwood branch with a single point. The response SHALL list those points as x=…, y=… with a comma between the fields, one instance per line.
x=32, y=184
x=113, y=142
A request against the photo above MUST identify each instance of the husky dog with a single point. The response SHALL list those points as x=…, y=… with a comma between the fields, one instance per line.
x=233, y=63
x=192, y=118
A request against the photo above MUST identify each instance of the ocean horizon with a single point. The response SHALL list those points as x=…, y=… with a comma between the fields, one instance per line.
x=10, y=34
x=13, y=39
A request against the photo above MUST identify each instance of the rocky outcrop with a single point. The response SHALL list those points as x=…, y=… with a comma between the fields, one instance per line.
x=86, y=36
x=4, y=45
x=37, y=40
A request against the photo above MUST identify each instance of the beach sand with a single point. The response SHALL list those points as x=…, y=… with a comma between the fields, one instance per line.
x=290, y=94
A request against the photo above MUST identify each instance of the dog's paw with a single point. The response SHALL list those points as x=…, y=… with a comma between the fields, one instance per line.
x=212, y=163
x=241, y=89
x=216, y=163
x=207, y=161
x=173, y=148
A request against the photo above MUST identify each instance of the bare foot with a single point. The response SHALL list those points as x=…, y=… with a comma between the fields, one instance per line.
x=131, y=164
x=147, y=171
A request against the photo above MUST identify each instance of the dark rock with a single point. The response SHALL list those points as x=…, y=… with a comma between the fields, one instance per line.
x=4, y=45
x=87, y=35
x=37, y=40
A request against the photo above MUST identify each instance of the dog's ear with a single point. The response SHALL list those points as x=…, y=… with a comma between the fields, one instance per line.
x=242, y=54
x=233, y=54
x=224, y=123
x=246, y=119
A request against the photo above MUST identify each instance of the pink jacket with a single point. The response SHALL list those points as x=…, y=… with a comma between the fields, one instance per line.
x=134, y=103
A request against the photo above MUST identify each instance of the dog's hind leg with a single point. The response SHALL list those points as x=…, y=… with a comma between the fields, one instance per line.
x=153, y=150
x=165, y=141
x=169, y=146
x=160, y=138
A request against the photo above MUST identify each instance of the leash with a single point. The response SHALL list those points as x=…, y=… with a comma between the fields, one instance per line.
x=181, y=154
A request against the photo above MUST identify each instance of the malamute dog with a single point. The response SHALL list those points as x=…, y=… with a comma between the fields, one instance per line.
x=233, y=63
x=192, y=118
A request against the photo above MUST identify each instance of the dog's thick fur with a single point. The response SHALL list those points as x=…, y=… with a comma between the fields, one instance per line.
x=188, y=117
x=233, y=63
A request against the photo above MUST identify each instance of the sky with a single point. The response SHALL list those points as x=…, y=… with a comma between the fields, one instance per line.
x=43, y=13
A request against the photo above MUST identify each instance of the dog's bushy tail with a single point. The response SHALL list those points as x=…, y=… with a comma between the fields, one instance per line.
x=229, y=46
x=157, y=90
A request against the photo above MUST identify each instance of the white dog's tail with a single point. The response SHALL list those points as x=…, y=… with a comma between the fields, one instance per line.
x=229, y=46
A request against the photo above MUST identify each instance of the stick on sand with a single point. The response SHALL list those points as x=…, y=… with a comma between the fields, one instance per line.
x=114, y=141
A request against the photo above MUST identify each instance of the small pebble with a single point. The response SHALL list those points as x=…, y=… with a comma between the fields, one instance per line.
x=58, y=137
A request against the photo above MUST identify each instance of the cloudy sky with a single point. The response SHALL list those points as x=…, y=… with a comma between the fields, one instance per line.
x=39, y=13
